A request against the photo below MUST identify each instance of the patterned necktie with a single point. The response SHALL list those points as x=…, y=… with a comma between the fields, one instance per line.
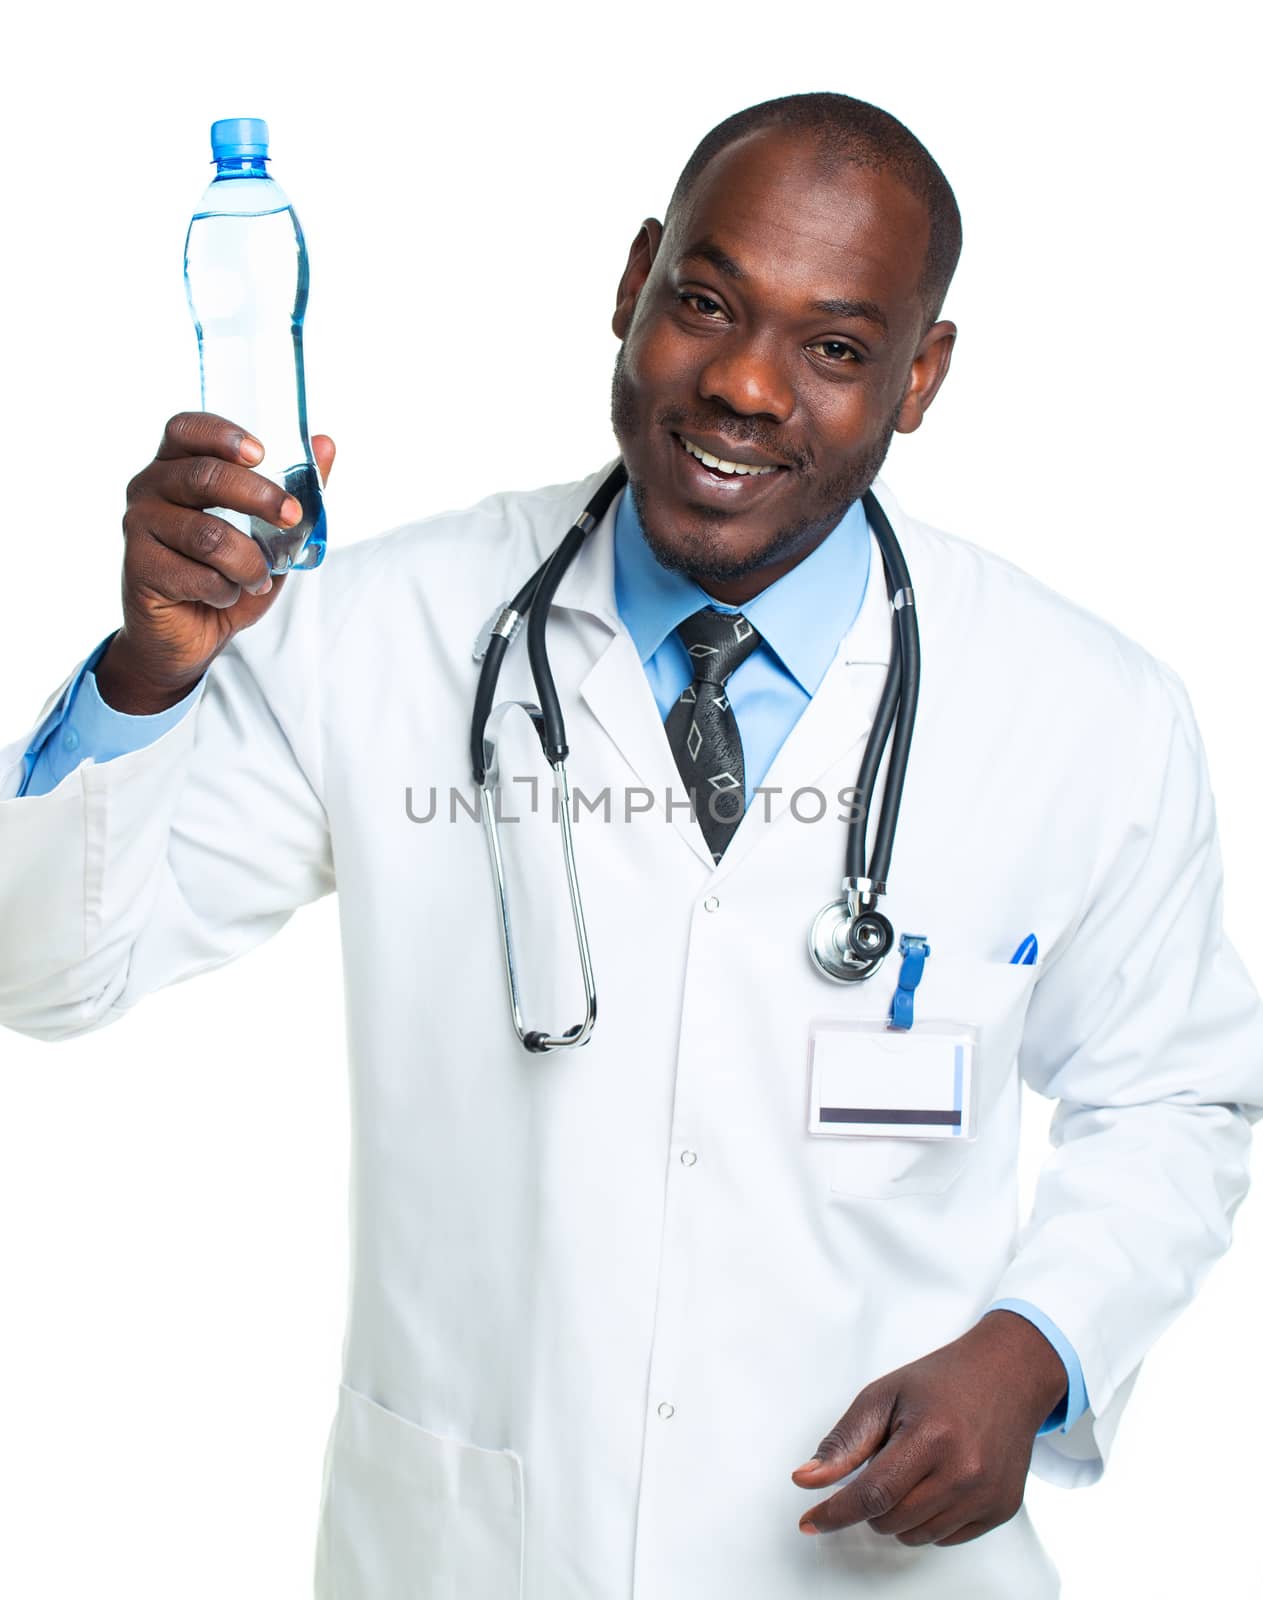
x=701, y=728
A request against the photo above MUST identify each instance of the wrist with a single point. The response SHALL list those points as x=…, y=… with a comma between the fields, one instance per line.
x=1026, y=1362
x=128, y=687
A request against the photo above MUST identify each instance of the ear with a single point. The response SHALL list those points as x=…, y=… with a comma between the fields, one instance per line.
x=929, y=368
x=640, y=259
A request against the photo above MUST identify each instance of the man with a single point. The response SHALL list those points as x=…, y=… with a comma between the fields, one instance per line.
x=604, y=1299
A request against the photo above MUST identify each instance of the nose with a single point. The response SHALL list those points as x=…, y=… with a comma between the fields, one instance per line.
x=747, y=376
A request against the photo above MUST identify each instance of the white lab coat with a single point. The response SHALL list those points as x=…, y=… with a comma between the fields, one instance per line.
x=603, y=1302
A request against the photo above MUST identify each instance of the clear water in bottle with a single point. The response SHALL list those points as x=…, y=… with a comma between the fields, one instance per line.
x=246, y=276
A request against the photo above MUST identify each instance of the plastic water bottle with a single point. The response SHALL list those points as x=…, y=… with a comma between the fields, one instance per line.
x=246, y=275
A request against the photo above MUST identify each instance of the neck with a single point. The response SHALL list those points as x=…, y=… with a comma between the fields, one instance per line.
x=242, y=167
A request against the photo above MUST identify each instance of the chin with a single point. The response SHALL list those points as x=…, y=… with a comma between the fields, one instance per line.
x=706, y=550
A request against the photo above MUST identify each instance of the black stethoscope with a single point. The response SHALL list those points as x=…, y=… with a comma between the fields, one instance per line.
x=849, y=937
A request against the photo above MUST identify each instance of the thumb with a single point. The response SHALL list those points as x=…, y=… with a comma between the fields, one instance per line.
x=857, y=1434
x=324, y=450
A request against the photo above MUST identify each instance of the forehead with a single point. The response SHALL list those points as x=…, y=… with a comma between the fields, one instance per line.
x=804, y=228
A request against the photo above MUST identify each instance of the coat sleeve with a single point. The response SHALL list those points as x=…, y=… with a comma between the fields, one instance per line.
x=1148, y=1033
x=174, y=858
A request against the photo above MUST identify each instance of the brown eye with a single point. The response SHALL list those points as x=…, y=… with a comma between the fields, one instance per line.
x=836, y=350
x=702, y=301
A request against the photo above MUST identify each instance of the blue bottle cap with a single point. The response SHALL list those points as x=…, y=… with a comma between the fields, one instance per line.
x=239, y=136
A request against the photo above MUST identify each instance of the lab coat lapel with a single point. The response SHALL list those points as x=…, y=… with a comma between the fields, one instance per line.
x=615, y=688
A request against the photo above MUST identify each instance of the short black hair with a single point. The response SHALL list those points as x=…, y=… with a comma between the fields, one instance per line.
x=850, y=131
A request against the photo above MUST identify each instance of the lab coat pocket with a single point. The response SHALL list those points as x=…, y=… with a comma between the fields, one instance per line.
x=413, y=1515
x=990, y=996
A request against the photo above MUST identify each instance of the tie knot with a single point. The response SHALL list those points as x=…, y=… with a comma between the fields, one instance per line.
x=717, y=642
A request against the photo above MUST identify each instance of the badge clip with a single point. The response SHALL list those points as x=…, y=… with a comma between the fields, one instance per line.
x=915, y=951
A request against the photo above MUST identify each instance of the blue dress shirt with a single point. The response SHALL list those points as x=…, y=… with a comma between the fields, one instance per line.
x=802, y=618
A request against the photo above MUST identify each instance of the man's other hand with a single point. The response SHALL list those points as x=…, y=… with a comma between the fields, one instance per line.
x=947, y=1439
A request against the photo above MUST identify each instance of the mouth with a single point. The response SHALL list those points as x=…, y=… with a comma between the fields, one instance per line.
x=718, y=480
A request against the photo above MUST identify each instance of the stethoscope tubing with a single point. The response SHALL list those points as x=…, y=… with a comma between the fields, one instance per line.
x=903, y=683
x=540, y=586
x=896, y=709
x=555, y=747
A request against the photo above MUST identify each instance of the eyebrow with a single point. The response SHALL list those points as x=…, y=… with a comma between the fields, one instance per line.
x=866, y=310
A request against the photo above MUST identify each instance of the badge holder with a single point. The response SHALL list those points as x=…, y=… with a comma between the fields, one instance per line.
x=893, y=1080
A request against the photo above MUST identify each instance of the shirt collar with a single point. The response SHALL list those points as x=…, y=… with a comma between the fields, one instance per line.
x=802, y=617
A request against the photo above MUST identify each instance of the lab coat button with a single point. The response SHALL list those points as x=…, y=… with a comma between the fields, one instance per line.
x=711, y=902
x=688, y=1157
x=71, y=740
x=666, y=1410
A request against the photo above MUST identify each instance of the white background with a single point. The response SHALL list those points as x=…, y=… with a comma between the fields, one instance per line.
x=173, y=1188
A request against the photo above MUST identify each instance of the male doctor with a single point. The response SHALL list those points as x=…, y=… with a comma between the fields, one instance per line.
x=605, y=1300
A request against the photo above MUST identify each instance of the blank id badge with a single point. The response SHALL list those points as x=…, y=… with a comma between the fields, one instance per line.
x=871, y=1081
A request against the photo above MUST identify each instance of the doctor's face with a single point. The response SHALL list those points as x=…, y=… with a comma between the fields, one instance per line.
x=777, y=326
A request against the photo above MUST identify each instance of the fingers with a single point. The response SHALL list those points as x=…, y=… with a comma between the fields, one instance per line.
x=201, y=481
x=873, y=1494
x=921, y=1490
x=971, y=1530
x=950, y=1527
x=202, y=433
x=324, y=450
x=953, y=1450
x=859, y=1432
x=933, y=1501
x=205, y=460
x=176, y=547
x=188, y=555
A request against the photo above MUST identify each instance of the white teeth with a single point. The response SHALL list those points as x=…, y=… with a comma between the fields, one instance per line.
x=708, y=460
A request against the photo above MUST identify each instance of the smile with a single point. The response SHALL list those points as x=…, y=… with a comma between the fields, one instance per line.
x=740, y=469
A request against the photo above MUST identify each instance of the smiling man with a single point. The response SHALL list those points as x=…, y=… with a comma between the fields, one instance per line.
x=604, y=1298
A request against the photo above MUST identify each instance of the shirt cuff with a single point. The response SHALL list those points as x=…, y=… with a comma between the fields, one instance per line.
x=81, y=727
x=1075, y=1401
x=105, y=733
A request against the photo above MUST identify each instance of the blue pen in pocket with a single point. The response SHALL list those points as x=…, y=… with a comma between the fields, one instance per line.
x=1026, y=952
